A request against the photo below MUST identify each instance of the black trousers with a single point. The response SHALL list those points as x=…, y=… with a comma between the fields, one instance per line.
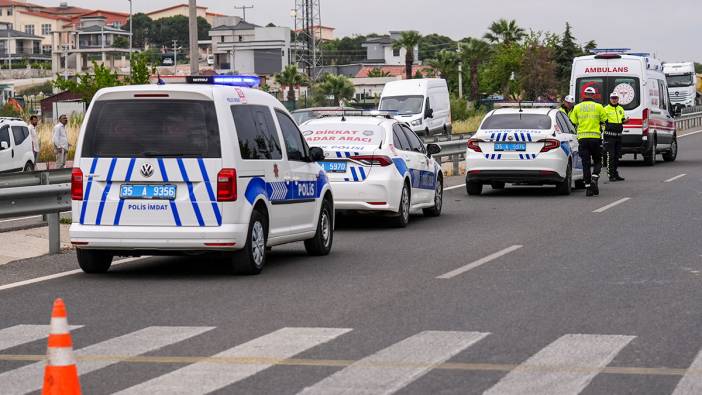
x=591, y=154
x=613, y=145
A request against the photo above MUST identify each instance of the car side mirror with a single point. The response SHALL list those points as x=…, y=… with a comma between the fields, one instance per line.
x=433, y=149
x=429, y=113
x=4, y=145
x=316, y=154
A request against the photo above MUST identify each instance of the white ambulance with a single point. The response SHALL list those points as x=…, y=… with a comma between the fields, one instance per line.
x=643, y=92
x=195, y=168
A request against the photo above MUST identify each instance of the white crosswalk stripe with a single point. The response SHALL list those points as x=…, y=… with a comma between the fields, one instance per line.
x=565, y=366
x=393, y=368
x=29, y=378
x=20, y=334
x=691, y=383
x=205, y=377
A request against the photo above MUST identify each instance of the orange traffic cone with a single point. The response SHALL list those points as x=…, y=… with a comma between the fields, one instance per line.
x=61, y=373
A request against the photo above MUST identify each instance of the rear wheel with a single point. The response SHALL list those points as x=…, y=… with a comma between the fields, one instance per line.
x=252, y=258
x=671, y=155
x=565, y=186
x=650, y=157
x=402, y=218
x=94, y=262
x=474, y=188
x=29, y=167
x=438, y=200
x=321, y=243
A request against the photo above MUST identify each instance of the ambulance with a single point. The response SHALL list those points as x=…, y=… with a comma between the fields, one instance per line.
x=643, y=92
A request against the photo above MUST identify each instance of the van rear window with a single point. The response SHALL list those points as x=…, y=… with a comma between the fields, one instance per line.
x=152, y=128
x=517, y=121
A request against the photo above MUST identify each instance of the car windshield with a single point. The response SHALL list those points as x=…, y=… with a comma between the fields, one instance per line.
x=342, y=135
x=679, y=81
x=517, y=121
x=404, y=105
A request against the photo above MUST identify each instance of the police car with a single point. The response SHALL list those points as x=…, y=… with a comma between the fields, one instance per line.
x=377, y=164
x=536, y=146
x=195, y=168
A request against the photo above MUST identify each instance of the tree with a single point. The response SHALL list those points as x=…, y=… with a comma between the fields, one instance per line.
x=165, y=30
x=345, y=50
x=430, y=45
x=291, y=78
x=538, y=72
x=497, y=75
x=446, y=64
x=566, y=50
x=589, y=46
x=86, y=85
x=139, y=69
x=376, y=72
x=408, y=40
x=503, y=31
x=142, y=26
x=336, y=86
x=121, y=42
x=698, y=68
x=474, y=52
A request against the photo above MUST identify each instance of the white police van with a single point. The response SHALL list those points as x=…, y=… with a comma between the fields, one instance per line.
x=195, y=168
x=377, y=164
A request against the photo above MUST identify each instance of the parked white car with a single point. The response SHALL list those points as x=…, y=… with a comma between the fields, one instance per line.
x=16, y=149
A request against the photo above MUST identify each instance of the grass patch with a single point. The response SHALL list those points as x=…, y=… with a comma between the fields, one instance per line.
x=469, y=125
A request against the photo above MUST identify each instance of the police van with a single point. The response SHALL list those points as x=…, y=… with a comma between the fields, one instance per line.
x=211, y=166
x=639, y=81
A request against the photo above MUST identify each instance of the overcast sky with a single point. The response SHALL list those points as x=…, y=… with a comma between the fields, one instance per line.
x=670, y=29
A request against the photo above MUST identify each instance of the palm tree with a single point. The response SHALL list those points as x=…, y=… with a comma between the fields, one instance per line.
x=337, y=86
x=378, y=72
x=474, y=52
x=445, y=63
x=503, y=31
x=290, y=77
x=408, y=40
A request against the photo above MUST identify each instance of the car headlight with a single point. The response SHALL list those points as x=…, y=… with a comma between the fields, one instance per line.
x=417, y=122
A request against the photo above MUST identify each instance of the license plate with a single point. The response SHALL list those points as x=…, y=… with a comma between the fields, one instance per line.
x=155, y=192
x=510, y=146
x=334, y=167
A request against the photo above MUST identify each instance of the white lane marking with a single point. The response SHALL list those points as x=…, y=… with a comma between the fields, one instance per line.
x=479, y=262
x=455, y=187
x=29, y=378
x=689, y=134
x=691, y=382
x=59, y=275
x=413, y=357
x=675, y=178
x=607, y=207
x=20, y=218
x=206, y=377
x=565, y=366
x=20, y=334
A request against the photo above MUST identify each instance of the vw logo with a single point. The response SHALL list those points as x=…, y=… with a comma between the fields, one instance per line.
x=147, y=170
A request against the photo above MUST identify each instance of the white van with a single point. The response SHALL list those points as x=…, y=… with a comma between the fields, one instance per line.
x=682, y=83
x=188, y=169
x=423, y=103
x=643, y=92
x=16, y=149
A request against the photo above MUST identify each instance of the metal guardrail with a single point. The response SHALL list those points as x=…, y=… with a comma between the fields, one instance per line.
x=14, y=180
x=453, y=149
x=689, y=120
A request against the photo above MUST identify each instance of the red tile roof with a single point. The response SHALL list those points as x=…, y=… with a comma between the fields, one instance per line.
x=45, y=15
x=170, y=8
x=5, y=3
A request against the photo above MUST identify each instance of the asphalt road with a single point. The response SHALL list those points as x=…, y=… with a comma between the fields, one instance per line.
x=515, y=291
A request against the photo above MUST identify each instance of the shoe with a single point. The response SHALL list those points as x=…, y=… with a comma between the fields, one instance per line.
x=619, y=178
x=595, y=187
x=588, y=191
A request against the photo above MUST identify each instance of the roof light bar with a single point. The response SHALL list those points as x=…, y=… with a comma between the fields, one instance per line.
x=245, y=81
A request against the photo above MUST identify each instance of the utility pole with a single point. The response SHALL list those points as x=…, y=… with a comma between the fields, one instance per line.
x=244, y=8
x=131, y=36
x=460, y=71
x=175, y=55
x=194, y=52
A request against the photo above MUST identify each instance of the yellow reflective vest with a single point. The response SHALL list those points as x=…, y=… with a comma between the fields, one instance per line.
x=615, y=114
x=588, y=117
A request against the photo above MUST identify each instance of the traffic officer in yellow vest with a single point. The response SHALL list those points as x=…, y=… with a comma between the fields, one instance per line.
x=567, y=105
x=614, y=126
x=588, y=117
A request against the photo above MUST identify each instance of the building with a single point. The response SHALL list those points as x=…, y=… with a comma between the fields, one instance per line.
x=323, y=33
x=380, y=50
x=246, y=48
x=182, y=9
x=16, y=45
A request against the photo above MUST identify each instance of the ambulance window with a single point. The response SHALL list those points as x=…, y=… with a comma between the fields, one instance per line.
x=595, y=82
x=628, y=90
x=399, y=139
x=664, y=95
x=294, y=143
x=255, y=129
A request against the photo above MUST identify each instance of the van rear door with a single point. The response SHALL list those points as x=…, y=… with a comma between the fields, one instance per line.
x=151, y=162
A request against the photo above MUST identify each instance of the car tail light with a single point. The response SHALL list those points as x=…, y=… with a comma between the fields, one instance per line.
x=550, y=145
x=473, y=145
x=226, y=185
x=644, y=122
x=77, y=184
x=373, y=160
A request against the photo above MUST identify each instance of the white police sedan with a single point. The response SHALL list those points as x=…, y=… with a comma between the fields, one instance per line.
x=377, y=164
x=533, y=146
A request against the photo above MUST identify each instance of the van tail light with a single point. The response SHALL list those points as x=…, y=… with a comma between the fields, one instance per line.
x=473, y=145
x=644, y=123
x=226, y=185
x=76, y=184
x=373, y=160
x=550, y=145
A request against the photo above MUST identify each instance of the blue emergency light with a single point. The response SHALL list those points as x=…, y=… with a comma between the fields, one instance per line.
x=245, y=81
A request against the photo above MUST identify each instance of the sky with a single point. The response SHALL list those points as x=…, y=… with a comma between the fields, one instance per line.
x=672, y=30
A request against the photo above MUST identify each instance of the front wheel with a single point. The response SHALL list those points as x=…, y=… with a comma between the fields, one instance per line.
x=94, y=262
x=29, y=167
x=671, y=155
x=252, y=258
x=321, y=243
x=402, y=218
x=435, y=211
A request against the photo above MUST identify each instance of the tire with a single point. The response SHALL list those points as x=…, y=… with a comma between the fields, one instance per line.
x=579, y=184
x=671, y=155
x=565, y=187
x=435, y=211
x=251, y=260
x=402, y=218
x=474, y=188
x=321, y=243
x=497, y=185
x=649, y=158
x=29, y=167
x=94, y=261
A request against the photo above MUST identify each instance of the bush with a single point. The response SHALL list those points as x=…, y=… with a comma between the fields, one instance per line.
x=459, y=109
x=8, y=110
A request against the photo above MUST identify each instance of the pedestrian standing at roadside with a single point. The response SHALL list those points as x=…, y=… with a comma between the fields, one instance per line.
x=588, y=117
x=60, y=139
x=614, y=126
x=36, y=143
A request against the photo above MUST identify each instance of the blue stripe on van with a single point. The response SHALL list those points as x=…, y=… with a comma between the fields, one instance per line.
x=106, y=191
x=127, y=178
x=87, y=191
x=210, y=191
x=191, y=192
x=162, y=167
